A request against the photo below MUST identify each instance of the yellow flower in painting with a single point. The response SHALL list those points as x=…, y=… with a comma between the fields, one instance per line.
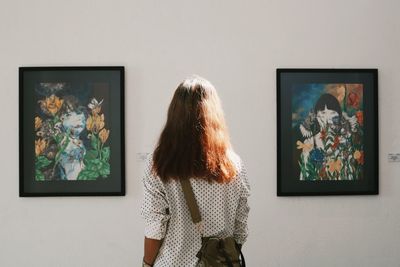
x=304, y=147
x=359, y=156
x=40, y=146
x=103, y=135
x=99, y=122
x=96, y=110
x=38, y=123
x=89, y=123
x=51, y=105
x=95, y=123
x=334, y=165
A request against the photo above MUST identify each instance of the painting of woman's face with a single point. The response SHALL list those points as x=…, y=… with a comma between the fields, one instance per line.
x=329, y=133
x=76, y=133
x=74, y=122
x=71, y=131
x=327, y=117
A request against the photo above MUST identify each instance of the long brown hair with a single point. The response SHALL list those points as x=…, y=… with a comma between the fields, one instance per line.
x=195, y=140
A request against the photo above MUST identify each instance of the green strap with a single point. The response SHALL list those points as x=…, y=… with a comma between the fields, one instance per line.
x=190, y=200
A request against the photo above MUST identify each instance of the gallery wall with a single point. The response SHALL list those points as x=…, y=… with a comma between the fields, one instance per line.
x=237, y=45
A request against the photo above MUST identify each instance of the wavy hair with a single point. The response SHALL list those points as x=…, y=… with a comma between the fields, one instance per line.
x=195, y=140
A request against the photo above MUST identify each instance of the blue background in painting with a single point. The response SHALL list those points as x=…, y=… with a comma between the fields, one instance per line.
x=304, y=97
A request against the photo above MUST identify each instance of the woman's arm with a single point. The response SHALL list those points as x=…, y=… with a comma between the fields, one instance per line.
x=240, y=231
x=155, y=211
x=151, y=248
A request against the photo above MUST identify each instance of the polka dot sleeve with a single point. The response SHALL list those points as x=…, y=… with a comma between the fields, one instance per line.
x=155, y=205
x=241, y=230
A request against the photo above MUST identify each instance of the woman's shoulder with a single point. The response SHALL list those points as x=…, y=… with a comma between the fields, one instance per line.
x=236, y=160
x=149, y=171
x=241, y=179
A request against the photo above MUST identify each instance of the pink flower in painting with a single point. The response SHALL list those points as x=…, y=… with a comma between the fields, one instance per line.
x=323, y=134
x=322, y=172
x=353, y=100
x=336, y=142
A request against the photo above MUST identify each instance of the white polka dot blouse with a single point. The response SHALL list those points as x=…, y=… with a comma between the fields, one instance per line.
x=224, y=210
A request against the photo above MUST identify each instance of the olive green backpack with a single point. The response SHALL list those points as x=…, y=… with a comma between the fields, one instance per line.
x=214, y=251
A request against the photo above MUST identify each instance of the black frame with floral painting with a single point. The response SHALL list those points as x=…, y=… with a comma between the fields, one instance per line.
x=327, y=132
x=71, y=131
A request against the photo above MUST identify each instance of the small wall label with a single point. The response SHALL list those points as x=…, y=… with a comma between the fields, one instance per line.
x=394, y=157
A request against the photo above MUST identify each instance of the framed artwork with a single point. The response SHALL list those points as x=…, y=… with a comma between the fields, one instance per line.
x=327, y=132
x=71, y=131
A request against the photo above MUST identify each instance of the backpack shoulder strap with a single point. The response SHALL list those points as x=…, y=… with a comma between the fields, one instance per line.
x=191, y=201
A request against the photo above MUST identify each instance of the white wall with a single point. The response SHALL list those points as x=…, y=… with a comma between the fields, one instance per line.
x=237, y=45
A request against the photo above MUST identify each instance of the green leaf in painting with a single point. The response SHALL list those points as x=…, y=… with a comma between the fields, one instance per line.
x=97, y=163
x=58, y=138
x=94, y=141
x=87, y=175
x=91, y=154
x=82, y=175
x=39, y=175
x=91, y=166
x=104, y=172
x=105, y=153
x=42, y=162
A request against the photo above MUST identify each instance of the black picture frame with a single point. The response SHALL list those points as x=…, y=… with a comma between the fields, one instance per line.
x=338, y=149
x=71, y=131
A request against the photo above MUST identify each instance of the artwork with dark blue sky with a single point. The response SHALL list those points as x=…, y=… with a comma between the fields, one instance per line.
x=304, y=97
